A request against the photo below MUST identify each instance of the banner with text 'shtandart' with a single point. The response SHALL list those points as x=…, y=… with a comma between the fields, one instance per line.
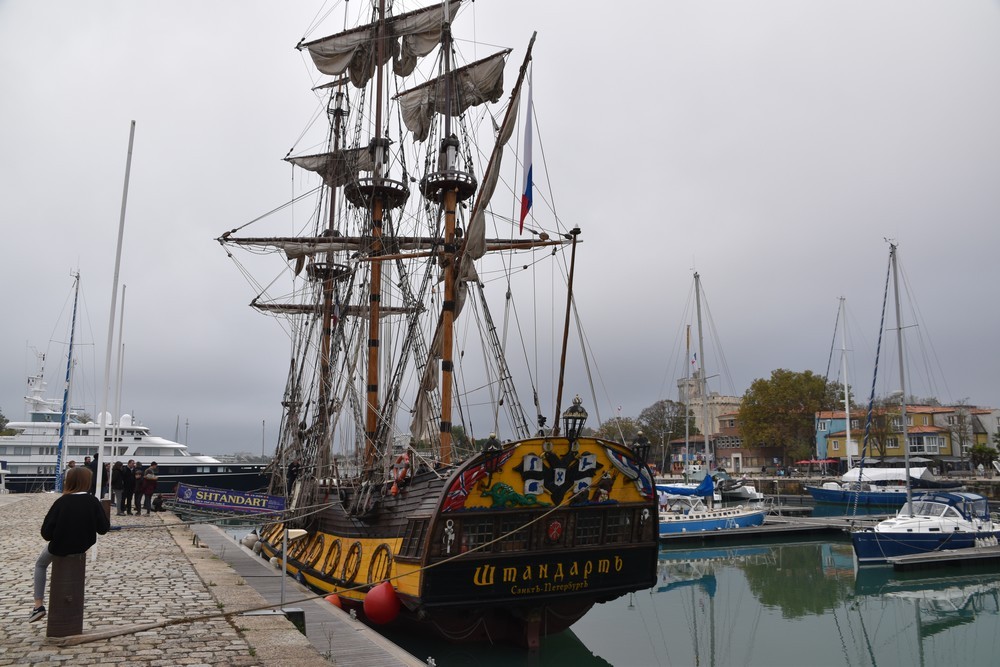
x=229, y=501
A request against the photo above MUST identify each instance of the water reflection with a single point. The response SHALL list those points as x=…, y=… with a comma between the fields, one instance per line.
x=769, y=604
x=798, y=603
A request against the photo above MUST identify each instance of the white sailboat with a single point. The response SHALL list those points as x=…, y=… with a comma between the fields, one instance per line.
x=927, y=522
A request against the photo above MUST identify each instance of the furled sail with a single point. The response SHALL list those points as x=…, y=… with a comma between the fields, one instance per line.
x=337, y=168
x=408, y=37
x=343, y=311
x=472, y=85
x=298, y=247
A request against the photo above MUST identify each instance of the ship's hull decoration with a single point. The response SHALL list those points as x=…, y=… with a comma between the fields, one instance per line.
x=495, y=555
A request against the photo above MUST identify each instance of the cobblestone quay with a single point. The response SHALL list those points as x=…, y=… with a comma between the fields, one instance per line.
x=142, y=575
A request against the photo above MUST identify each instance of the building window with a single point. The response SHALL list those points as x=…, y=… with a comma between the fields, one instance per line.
x=855, y=424
x=951, y=419
x=836, y=445
x=824, y=424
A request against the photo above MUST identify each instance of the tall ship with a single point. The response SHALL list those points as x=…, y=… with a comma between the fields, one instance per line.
x=420, y=491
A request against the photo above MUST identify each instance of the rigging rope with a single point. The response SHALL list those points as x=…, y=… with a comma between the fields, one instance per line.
x=871, y=395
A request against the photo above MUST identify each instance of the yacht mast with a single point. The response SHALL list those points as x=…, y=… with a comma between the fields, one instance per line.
x=65, y=404
x=105, y=433
x=847, y=391
x=902, y=376
x=703, y=380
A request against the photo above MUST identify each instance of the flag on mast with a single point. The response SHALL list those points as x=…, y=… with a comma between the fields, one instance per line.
x=526, y=196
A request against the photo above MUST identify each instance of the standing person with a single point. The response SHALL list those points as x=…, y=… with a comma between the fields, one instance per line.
x=71, y=527
x=138, y=482
x=128, y=488
x=294, y=469
x=91, y=462
x=149, y=486
x=117, y=485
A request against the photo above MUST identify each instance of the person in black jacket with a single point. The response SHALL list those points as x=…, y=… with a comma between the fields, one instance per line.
x=128, y=488
x=70, y=527
x=117, y=485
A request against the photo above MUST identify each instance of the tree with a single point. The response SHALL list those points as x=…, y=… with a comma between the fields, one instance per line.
x=663, y=421
x=882, y=432
x=780, y=411
x=3, y=425
x=983, y=455
x=961, y=430
x=618, y=429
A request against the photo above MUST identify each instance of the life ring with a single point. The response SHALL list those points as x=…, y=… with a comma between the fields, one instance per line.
x=401, y=468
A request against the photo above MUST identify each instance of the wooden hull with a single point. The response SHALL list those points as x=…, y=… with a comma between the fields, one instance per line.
x=472, y=559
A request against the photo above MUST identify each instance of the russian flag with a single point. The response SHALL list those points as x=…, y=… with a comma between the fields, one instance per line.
x=526, y=196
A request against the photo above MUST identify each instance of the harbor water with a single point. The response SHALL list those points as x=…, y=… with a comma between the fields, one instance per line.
x=780, y=603
x=791, y=603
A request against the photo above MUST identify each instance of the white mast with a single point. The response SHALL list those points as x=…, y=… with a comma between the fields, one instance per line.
x=111, y=315
x=847, y=391
x=902, y=376
x=703, y=381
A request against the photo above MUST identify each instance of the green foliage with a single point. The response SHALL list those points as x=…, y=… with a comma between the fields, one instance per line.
x=618, y=429
x=983, y=455
x=780, y=411
x=663, y=421
x=3, y=425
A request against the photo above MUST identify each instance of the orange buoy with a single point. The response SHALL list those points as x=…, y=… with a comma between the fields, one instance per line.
x=395, y=489
x=381, y=604
x=334, y=599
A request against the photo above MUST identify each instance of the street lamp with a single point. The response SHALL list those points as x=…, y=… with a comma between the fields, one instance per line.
x=573, y=420
x=640, y=447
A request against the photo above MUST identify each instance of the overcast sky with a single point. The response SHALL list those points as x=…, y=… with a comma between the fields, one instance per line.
x=771, y=145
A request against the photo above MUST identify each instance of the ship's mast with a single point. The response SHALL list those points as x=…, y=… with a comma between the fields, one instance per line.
x=450, y=185
x=337, y=110
x=378, y=147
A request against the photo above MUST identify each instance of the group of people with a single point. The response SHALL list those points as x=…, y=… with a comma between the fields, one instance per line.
x=130, y=482
x=127, y=482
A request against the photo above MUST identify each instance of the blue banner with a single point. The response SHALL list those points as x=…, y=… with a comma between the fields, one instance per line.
x=230, y=501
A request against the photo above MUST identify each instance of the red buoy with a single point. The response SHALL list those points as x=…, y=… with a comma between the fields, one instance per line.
x=381, y=604
x=334, y=599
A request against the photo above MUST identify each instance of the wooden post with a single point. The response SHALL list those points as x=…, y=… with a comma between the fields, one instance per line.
x=65, y=611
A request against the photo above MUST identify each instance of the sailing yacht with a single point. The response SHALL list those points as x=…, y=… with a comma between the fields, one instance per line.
x=927, y=522
x=472, y=520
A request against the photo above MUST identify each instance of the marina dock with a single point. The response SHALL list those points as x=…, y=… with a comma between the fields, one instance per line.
x=776, y=527
x=947, y=557
x=158, y=594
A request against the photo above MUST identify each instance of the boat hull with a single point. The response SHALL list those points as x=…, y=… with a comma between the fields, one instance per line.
x=472, y=559
x=712, y=520
x=844, y=497
x=234, y=477
x=875, y=548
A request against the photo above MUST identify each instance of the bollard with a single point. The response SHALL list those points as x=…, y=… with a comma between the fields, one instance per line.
x=65, y=612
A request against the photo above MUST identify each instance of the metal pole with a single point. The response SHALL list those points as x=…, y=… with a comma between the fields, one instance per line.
x=111, y=314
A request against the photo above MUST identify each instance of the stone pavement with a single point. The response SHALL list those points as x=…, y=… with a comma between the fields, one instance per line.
x=146, y=574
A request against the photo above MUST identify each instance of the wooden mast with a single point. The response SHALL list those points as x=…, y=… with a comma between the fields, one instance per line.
x=450, y=201
x=375, y=285
x=569, y=305
x=329, y=277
